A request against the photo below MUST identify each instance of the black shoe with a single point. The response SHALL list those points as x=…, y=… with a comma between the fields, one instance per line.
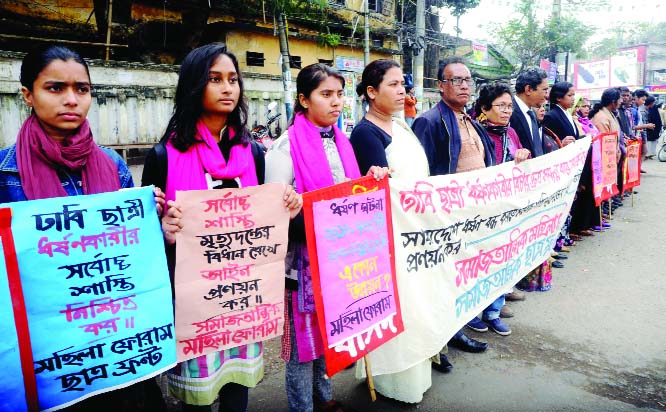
x=467, y=344
x=444, y=365
x=560, y=256
x=557, y=264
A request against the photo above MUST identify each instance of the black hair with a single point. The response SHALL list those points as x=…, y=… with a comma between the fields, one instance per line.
x=558, y=91
x=532, y=76
x=640, y=93
x=650, y=100
x=608, y=97
x=487, y=95
x=188, y=108
x=36, y=60
x=373, y=74
x=445, y=62
x=308, y=79
x=624, y=89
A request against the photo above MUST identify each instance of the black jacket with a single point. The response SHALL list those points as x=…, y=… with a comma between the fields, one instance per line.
x=557, y=121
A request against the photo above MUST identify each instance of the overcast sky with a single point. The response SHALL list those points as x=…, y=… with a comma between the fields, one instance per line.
x=474, y=23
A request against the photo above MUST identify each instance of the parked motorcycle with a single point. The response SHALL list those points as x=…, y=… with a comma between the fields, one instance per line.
x=263, y=134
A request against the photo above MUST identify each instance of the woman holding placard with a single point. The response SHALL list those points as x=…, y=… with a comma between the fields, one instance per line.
x=206, y=146
x=313, y=153
x=55, y=155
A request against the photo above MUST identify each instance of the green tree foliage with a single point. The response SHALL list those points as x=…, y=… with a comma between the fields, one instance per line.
x=529, y=39
x=459, y=7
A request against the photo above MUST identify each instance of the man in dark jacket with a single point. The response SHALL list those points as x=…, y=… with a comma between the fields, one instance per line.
x=531, y=91
x=454, y=143
x=440, y=129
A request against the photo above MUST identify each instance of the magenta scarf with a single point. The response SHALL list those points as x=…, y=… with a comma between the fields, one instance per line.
x=39, y=157
x=188, y=169
x=311, y=169
x=586, y=124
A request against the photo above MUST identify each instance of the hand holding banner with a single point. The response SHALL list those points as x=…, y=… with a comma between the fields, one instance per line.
x=91, y=283
x=353, y=272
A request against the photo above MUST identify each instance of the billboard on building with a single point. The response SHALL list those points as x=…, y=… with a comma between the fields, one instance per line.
x=624, y=68
x=592, y=75
x=479, y=54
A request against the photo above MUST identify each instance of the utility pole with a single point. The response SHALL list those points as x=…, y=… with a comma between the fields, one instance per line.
x=418, y=59
x=109, y=16
x=366, y=29
x=286, y=71
x=557, y=11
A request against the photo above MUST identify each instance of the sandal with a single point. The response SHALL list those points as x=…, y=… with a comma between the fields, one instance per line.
x=333, y=406
x=575, y=237
x=586, y=232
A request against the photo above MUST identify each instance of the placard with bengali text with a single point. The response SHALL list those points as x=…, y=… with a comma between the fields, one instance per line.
x=230, y=268
x=349, y=233
x=12, y=392
x=632, y=165
x=97, y=292
x=604, y=166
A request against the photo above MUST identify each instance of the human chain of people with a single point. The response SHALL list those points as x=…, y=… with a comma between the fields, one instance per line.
x=349, y=249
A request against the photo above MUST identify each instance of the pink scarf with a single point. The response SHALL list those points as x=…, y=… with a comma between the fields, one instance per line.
x=39, y=157
x=187, y=171
x=311, y=169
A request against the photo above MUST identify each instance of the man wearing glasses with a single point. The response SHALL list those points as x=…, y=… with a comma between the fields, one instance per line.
x=454, y=143
x=531, y=91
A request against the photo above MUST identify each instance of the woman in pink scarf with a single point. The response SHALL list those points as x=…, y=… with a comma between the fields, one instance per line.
x=55, y=155
x=207, y=146
x=312, y=154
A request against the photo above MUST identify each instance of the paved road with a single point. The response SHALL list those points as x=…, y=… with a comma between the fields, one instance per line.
x=595, y=342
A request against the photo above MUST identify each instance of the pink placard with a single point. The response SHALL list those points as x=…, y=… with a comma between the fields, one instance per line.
x=354, y=264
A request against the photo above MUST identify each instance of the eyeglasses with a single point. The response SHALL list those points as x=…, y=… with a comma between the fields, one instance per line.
x=504, y=107
x=457, y=81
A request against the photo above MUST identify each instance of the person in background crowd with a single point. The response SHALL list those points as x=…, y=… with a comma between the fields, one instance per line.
x=639, y=119
x=313, y=153
x=455, y=143
x=653, y=118
x=627, y=128
x=581, y=113
x=605, y=118
x=384, y=140
x=410, y=106
x=561, y=124
x=55, y=155
x=206, y=145
x=584, y=207
x=494, y=108
x=531, y=91
x=559, y=120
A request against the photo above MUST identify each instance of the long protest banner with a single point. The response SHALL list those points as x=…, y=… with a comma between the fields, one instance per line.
x=97, y=293
x=604, y=166
x=463, y=240
x=230, y=268
x=632, y=165
x=349, y=234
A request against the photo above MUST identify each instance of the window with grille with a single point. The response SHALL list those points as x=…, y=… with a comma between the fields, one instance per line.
x=295, y=62
x=254, y=59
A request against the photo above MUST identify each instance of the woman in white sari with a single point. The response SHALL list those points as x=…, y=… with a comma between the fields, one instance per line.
x=383, y=140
